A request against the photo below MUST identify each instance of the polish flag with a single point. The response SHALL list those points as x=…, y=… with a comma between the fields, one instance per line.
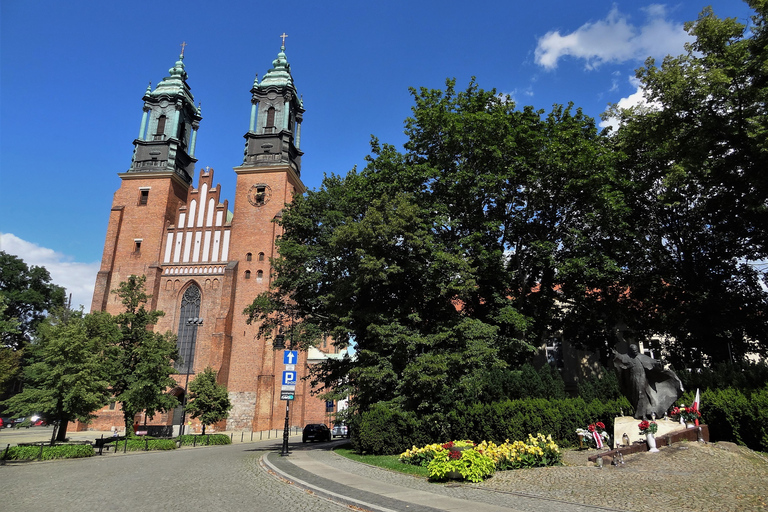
x=696, y=406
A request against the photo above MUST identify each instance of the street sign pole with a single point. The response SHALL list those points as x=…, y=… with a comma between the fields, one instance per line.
x=284, y=452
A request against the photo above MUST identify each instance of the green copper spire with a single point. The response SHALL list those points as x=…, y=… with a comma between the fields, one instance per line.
x=280, y=74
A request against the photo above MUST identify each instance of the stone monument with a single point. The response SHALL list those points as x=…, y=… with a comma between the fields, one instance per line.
x=643, y=380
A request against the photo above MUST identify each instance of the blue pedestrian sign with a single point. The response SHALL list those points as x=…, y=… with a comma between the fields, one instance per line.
x=290, y=356
x=289, y=378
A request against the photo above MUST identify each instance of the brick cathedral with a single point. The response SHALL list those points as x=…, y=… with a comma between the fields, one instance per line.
x=204, y=263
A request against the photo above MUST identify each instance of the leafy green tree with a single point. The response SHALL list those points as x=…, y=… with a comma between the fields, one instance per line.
x=145, y=358
x=209, y=400
x=452, y=259
x=10, y=359
x=69, y=369
x=28, y=294
x=695, y=157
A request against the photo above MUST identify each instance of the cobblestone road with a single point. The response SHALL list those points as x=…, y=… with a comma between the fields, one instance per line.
x=226, y=478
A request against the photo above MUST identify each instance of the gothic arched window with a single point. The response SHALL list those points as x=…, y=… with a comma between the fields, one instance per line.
x=270, y=118
x=189, y=321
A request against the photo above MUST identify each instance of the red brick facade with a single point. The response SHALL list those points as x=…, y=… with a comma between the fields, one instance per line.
x=180, y=236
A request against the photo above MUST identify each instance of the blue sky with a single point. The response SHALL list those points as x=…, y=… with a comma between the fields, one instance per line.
x=72, y=75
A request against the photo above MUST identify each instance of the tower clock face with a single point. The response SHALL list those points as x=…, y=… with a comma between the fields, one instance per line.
x=259, y=194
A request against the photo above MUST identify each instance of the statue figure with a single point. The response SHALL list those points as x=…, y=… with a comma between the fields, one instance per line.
x=648, y=386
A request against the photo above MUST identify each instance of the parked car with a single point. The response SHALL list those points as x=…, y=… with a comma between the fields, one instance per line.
x=316, y=432
x=5, y=421
x=340, y=430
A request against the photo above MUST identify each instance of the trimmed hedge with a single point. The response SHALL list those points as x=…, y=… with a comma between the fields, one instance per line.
x=386, y=430
x=204, y=440
x=140, y=444
x=62, y=451
x=734, y=415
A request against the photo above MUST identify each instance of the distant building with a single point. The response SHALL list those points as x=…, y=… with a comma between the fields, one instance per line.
x=204, y=263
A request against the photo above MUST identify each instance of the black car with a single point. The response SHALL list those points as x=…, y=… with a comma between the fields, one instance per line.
x=316, y=432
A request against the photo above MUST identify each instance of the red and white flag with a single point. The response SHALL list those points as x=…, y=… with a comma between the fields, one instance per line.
x=696, y=404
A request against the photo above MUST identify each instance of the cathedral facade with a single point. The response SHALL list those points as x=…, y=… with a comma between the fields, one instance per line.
x=203, y=262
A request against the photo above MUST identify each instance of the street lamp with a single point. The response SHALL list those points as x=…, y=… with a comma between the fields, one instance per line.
x=193, y=323
x=279, y=344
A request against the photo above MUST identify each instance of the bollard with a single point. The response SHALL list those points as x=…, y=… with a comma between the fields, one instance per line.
x=261, y=435
x=251, y=435
x=194, y=441
x=125, y=446
x=241, y=436
x=146, y=444
x=41, y=452
x=101, y=445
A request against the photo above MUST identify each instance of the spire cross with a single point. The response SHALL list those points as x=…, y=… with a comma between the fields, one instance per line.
x=284, y=36
x=183, y=45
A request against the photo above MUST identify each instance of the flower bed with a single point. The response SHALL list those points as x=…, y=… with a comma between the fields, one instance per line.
x=467, y=461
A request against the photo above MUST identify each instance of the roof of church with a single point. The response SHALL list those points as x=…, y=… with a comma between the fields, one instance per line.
x=174, y=85
x=280, y=74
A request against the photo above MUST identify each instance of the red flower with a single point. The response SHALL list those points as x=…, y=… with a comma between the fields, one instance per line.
x=454, y=455
x=600, y=425
x=591, y=427
x=448, y=445
x=643, y=425
x=675, y=411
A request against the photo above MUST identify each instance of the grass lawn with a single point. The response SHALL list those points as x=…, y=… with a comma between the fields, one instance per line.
x=391, y=462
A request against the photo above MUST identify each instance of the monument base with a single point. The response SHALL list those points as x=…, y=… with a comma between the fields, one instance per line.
x=628, y=425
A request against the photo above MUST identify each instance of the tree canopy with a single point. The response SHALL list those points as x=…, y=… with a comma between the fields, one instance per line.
x=144, y=360
x=69, y=367
x=28, y=294
x=694, y=156
x=209, y=400
x=449, y=260
x=498, y=227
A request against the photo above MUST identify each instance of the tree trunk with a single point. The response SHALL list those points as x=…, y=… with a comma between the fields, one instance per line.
x=61, y=435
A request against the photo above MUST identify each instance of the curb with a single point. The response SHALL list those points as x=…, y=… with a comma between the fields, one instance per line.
x=270, y=468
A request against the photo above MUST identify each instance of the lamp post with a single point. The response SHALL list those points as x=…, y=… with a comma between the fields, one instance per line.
x=193, y=323
x=279, y=344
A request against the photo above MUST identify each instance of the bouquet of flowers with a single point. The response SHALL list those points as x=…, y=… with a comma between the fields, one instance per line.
x=648, y=427
x=594, y=435
x=686, y=414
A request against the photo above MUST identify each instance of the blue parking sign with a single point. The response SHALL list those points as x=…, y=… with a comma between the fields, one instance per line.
x=289, y=378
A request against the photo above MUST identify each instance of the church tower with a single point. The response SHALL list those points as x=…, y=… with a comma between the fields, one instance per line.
x=267, y=179
x=152, y=189
x=204, y=263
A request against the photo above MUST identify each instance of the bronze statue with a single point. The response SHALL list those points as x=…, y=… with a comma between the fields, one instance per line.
x=644, y=381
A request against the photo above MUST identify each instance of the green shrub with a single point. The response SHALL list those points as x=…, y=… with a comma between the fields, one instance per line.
x=732, y=415
x=138, y=444
x=204, y=440
x=62, y=451
x=470, y=464
x=386, y=430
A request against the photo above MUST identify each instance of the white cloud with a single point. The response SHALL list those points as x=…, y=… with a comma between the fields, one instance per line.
x=614, y=39
x=78, y=278
x=636, y=99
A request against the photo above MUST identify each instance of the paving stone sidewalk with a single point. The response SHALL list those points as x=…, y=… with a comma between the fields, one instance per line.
x=687, y=476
